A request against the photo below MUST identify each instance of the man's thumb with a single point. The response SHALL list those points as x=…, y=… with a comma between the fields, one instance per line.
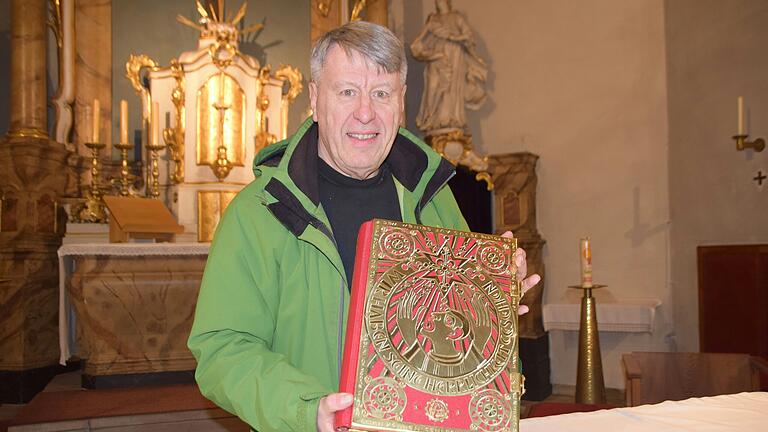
x=338, y=401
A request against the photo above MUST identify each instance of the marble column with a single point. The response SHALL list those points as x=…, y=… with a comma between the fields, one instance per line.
x=28, y=92
x=34, y=175
x=93, y=76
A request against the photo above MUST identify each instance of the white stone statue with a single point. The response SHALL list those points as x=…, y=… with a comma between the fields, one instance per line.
x=455, y=76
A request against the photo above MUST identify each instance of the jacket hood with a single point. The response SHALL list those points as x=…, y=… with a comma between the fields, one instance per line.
x=413, y=163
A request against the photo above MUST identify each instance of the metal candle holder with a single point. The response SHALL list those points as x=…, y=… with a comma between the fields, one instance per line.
x=93, y=208
x=154, y=185
x=125, y=174
x=757, y=145
x=590, y=387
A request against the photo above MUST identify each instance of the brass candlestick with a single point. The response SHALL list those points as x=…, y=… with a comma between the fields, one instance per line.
x=590, y=387
x=125, y=174
x=93, y=208
x=757, y=145
x=154, y=184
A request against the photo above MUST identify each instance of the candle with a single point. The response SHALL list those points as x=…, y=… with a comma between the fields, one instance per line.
x=585, y=252
x=741, y=115
x=96, y=118
x=123, y=121
x=155, y=126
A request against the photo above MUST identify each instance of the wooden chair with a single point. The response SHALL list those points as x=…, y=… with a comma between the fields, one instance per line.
x=653, y=377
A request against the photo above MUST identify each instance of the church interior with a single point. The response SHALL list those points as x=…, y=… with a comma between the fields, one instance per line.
x=623, y=142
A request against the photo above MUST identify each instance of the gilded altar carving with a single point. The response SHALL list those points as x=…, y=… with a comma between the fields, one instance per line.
x=293, y=77
x=220, y=123
x=174, y=136
x=210, y=208
x=133, y=72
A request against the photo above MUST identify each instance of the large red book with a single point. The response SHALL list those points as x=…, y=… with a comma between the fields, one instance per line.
x=431, y=341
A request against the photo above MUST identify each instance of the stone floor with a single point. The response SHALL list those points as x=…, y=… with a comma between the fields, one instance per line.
x=71, y=381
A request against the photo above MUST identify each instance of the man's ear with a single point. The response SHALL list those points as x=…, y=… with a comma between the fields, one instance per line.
x=313, y=99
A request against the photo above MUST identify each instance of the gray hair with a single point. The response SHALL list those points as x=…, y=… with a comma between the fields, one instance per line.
x=374, y=42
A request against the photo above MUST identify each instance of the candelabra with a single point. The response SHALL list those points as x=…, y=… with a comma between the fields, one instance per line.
x=92, y=209
x=125, y=175
x=153, y=188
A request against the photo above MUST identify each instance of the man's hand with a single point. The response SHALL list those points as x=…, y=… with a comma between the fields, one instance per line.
x=328, y=407
x=522, y=271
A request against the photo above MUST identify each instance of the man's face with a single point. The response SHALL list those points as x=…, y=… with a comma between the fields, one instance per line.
x=358, y=108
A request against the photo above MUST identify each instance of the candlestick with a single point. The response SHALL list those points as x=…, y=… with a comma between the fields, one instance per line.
x=740, y=126
x=585, y=252
x=155, y=125
x=123, y=121
x=96, y=120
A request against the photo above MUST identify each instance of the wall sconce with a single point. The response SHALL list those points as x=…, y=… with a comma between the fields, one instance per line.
x=757, y=145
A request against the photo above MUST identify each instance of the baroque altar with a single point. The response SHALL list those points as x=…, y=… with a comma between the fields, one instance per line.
x=220, y=108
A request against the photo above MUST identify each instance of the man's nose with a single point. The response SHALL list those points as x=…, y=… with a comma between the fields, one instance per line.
x=364, y=112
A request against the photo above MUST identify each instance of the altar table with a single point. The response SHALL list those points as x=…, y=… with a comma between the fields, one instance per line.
x=127, y=308
x=742, y=412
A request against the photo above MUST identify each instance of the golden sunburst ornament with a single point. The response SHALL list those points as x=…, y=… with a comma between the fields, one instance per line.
x=212, y=22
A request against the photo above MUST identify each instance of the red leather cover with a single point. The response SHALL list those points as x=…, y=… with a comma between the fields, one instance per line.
x=431, y=342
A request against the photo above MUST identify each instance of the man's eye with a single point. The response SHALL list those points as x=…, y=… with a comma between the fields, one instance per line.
x=380, y=94
x=347, y=92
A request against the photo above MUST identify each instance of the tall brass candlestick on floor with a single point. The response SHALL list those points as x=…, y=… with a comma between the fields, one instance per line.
x=590, y=387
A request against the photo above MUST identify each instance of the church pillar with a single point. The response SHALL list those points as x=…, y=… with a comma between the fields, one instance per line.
x=28, y=93
x=34, y=175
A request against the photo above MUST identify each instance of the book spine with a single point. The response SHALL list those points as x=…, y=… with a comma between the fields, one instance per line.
x=343, y=418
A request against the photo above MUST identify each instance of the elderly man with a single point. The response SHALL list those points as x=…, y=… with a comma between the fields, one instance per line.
x=272, y=311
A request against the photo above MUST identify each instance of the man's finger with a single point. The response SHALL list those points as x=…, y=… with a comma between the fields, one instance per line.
x=336, y=401
x=530, y=282
x=522, y=309
x=508, y=234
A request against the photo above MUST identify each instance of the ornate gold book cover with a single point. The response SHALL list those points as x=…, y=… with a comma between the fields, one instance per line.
x=432, y=336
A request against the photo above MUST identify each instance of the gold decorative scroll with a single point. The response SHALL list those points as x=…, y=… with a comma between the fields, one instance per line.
x=293, y=77
x=174, y=136
x=210, y=207
x=133, y=68
x=220, y=96
x=263, y=138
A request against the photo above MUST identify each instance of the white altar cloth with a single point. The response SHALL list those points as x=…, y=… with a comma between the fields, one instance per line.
x=743, y=412
x=67, y=322
x=624, y=315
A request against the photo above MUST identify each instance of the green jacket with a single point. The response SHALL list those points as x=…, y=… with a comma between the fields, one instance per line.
x=271, y=314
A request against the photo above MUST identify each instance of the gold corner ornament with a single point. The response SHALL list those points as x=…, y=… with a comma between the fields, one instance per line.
x=457, y=148
x=263, y=138
x=133, y=68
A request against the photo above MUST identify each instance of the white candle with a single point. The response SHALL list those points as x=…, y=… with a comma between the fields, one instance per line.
x=155, y=126
x=741, y=115
x=96, y=119
x=123, y=121
x=585, y=253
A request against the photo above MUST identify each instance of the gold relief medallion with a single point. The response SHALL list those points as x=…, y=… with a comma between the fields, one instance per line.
x=384, y=398
x=436, y=410
x=489, y=411
x=438, y=317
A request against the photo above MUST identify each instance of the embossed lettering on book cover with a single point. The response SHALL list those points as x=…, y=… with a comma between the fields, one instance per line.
x=432, y=336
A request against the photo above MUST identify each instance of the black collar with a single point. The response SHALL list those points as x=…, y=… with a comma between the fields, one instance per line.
x=406, y=160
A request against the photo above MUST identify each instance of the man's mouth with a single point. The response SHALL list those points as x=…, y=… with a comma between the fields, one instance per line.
x=362, y=136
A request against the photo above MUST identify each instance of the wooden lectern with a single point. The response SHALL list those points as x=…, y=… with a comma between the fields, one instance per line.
x=140, y=218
